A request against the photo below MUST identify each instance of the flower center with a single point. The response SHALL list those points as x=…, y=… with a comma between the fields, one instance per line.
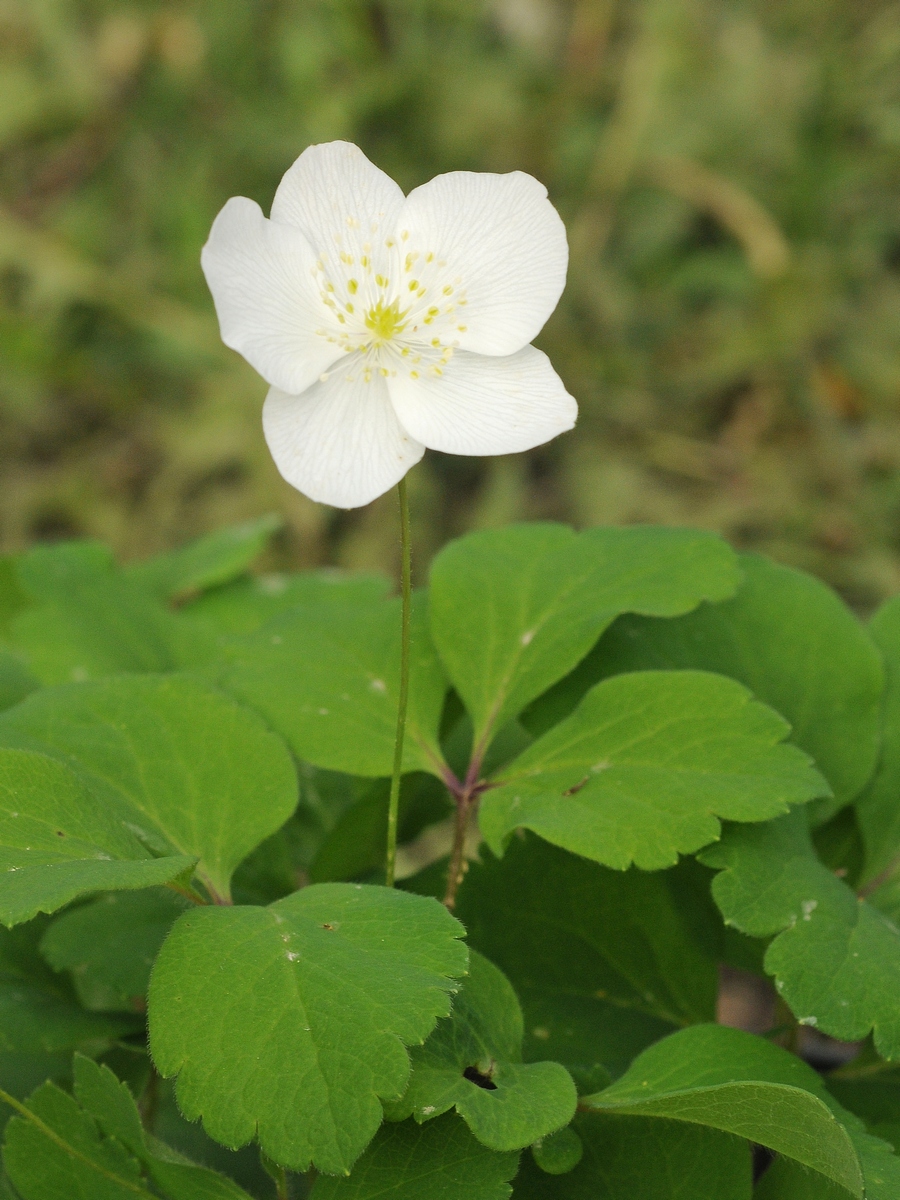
x=385, y=322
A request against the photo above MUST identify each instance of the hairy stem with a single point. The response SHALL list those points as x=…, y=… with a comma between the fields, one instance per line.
x=457, y=869
x=405, y=590
x=186, y=890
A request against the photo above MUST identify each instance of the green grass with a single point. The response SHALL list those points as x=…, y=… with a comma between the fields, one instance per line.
x=728, y=171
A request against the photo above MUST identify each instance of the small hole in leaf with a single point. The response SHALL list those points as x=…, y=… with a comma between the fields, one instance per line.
x=483, y=1081
x=330, y=928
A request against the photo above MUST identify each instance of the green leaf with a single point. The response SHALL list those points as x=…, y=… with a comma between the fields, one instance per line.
x=91, y=620
x=644, y=768
x=627, y=1158
x=92, y=1147
x=741, y=1084
x=213, y=559
x=440, y=1160
x=41, y=1022
x=789, y=639
x=786, y=1180
x=327, y=677
x=513, y=610
x=247, y=604
x=58, y=841
x=559, y=1153
x=473, y=1062
x=877, y=810
x=603, y=961
x=170, y=763
x=291, y=1021
x=836, y=959
x=110, y=944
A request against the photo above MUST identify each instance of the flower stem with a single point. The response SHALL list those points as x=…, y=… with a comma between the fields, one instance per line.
x=405, y=591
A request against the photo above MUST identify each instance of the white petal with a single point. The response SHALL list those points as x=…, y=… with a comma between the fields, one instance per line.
x=498, y=243
x=266, y=297
x=340, y=442
x=482, y=404
x=341, y=203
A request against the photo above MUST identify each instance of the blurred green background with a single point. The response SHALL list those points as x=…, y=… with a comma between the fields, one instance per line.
x=729, y=171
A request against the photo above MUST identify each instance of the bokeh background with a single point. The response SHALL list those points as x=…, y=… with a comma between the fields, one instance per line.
x=729, y=171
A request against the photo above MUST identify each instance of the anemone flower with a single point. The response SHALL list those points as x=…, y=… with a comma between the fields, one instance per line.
x=386, y=324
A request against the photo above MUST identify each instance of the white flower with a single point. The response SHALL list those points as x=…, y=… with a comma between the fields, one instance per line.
x=385, y=324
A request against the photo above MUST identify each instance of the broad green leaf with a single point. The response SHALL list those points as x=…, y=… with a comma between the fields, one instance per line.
x=836, y=959
x=213, y=559
x=58, y=840
x=735, y=1082
x=644, y=768
x=877, y=810
x=787, y=1180
x=172, y=763
x=513, y=610
x=247, y=604
x=789, y=639
x=604, y=962
x=473, y=1062
x=92, y=1147
x=91, y=620
x=627, y=1158
x=110, y=944
x=290, y=1021
x=437, y=1161
x=327, y=677
x=559, y=1153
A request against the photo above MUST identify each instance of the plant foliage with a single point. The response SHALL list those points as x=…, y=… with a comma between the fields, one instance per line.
x=678, y=759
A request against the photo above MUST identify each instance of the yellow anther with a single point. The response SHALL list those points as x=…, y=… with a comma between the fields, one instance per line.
x=352, y=286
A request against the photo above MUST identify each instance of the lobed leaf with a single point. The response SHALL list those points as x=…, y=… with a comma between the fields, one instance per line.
x=57, y=842
x=93, y=1147
x=473, y=1062
x=646, y=766
x=440, y=1160
x=290, y=1022
x=737, y=1083
x=787, y=637
x=171, y=767
x=513, y=610
x=326, y=678
x=629, y=1158
x=836, y=959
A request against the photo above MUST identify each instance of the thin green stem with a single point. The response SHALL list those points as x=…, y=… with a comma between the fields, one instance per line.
x=54, y=1137
x=405, y=591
